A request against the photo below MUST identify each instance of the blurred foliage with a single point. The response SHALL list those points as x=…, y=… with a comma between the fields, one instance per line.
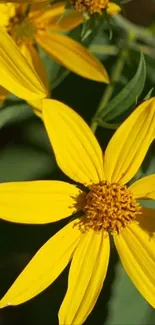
x=26, y=154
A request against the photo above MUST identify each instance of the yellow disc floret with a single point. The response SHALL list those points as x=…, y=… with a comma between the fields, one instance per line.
x=90, y=6
x=108, y=207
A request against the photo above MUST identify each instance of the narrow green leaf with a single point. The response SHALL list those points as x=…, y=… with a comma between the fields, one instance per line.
x=127, y=96
x=149, y=94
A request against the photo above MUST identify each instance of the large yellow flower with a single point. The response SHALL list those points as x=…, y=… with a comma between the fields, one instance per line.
x=108, y=208
x=42, y=26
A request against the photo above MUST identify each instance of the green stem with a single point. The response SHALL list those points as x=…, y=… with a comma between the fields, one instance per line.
x=104, y=49
x=110, y=88
x=139, y=32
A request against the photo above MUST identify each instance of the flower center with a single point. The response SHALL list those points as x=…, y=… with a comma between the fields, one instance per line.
x=17, y=23
x=23, y=30
x=90, y=6
x=109, y=207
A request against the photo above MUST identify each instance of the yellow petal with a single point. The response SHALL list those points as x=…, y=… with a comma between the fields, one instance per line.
x=36, y=106
x=76, y=149
x=37, y=202
x=3, y=94
x=7, y=12
x=33, y=57
x=17, y=76
x=128, y=147
x=137, y=252
x=37, y=7
x=86, y=277
x=44, y=267
x=49, y=15
x=55, y=20
x=68, y=22
x=72, y=55
x=144, y=188
x=113, y=8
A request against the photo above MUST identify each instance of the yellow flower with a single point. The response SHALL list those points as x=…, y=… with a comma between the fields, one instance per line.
x=42, y=25
x=95, y=6
x=108, y=208
x=17, y=76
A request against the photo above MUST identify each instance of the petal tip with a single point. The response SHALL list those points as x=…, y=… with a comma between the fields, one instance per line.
x=3, y=305
x=104, y=77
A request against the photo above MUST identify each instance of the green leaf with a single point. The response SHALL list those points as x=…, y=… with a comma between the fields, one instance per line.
x=149, y=94
x=20, y=163
x=127, y=96
x=12, y=112
x=35, y=134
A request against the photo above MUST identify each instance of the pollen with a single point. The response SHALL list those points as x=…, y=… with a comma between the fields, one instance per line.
x=90, y=6
x=108, y=207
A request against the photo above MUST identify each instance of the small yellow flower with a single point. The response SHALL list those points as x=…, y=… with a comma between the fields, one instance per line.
x=95, y=6
x=42, y=26
x=108, y=208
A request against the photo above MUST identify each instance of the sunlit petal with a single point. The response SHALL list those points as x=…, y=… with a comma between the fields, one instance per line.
x=129, y=145
x=44, y=267
x=17, y=76
x=136, y=247
x=38, y=202
x=86, y=278
x=144, y=187
x=76, y=149
x=72, y=55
